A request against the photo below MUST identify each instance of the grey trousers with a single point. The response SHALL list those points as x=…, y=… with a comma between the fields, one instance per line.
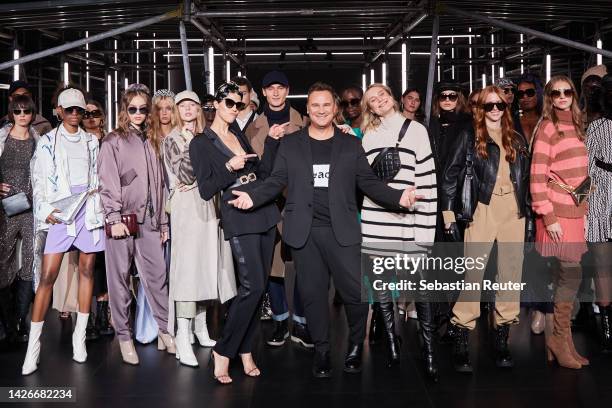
x=147, y=252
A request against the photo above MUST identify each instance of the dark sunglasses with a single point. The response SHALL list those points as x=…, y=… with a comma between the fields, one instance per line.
x=530, y=93
x=132, y=110
x=488, y=107
x=208, y=108
x=556, y=93
x=508, y=91
x=18, y=112
x=93, y=114
x=352, y=102
x=449, y=97
x=230, y=103
x=75, y=109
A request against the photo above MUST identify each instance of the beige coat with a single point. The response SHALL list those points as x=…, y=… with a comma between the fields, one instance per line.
x=256, y=133
x=201, y=264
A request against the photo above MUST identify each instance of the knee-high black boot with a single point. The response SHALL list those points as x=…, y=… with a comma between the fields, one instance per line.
x=4, y=323
x=24, y=294
x=376, y=325
x=393, y=340
x=427, y=316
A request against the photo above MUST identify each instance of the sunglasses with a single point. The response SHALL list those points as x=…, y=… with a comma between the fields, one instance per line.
x=508, y=91
x=132, y=110
x=18, y=112
x=488, y=107
x=352, y=102
x=92, y=114
x=556, y=93
x=74, y=109
x=230, y=103
x=208, y=108
x=449, y=97
x=530, y=93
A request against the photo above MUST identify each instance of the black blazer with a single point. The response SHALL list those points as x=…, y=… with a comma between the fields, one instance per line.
x=208, y=156
x=349, y=170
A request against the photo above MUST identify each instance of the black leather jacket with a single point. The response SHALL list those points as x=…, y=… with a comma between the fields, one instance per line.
x=485, y=175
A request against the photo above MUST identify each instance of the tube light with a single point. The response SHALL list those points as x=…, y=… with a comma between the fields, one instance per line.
x=16, y=67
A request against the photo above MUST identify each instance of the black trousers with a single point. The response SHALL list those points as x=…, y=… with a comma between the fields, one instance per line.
x=253, y=258
x=321, y=256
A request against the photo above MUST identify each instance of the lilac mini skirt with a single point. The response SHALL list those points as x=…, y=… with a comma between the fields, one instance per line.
x=58, y=240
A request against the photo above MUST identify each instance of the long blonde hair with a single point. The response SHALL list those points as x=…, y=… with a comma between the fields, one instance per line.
x=549, y=112
x=200, y=120
x=370, y=119
x=155, y=131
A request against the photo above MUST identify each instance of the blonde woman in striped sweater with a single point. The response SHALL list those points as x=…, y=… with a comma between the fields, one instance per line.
x=559, y=164
x=381, y=126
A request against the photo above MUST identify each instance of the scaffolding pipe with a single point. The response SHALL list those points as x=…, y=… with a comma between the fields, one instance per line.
x=75, y=44
x=302, y=12
x=432, y=67
x=525, y=30
x=214, y=39
x=401, y=35
x=185, y=52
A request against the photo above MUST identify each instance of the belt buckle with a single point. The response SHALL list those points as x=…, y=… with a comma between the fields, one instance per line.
x=247, y=178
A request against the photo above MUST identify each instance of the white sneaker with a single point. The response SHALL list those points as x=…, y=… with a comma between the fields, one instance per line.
x=184, y=352
x=201, y=330
x=32, y=357
x=79, y=352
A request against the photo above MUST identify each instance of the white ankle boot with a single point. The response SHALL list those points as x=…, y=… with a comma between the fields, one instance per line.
x=32, y=357
x=184, y=352
x=201, y=330
x=79, y=352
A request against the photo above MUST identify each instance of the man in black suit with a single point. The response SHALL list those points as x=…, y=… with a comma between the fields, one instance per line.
x=322, y=167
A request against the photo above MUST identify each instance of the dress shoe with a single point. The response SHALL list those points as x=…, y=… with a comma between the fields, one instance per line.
x=321, y=367
x=279, y=335
x=300, y=335
x=352, y=361
x=128, y=352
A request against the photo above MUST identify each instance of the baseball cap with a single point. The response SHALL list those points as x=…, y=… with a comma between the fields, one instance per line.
x=274, y=77
x=187, y=95
x=71, y=97
x=15, y=85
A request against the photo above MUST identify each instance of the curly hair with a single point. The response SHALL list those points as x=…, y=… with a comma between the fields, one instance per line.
x=123, y=120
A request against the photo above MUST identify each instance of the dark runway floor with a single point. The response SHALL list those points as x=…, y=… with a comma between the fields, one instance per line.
x=159, y=381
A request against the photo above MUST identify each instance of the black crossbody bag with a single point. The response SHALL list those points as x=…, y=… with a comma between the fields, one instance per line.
x=387, y=164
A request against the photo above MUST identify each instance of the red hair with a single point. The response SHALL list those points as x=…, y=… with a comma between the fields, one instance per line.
x=509, y=136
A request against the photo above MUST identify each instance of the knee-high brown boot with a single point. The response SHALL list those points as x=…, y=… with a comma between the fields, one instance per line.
x=557, y=347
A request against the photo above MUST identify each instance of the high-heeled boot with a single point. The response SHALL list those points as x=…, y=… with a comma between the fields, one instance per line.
x=605, y=314
x=201, y=329
x=427, y=316
x=557, y=347
x=79, y=352
x=376, y=325
x=184, y=352
x=32, y=357
x=393, y=340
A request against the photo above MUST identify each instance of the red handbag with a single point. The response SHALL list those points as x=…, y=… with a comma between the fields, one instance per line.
x=130, y=222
